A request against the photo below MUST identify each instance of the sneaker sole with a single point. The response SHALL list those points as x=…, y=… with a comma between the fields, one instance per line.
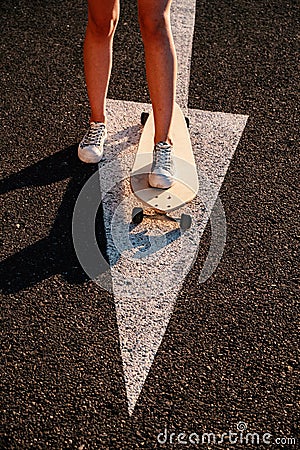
x=88, y=158
x=156, y=181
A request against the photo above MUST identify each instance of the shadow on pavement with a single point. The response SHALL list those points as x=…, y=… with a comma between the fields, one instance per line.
x=54, y=254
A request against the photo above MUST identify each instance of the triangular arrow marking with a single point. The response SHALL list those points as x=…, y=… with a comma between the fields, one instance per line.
x=146, y=284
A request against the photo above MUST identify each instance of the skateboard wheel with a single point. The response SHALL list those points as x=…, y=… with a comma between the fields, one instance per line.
x=137, y=215
x=144, y=117
x=185, y=222
x=187, y=121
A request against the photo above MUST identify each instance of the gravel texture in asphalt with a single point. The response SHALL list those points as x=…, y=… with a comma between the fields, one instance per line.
x=230, y=351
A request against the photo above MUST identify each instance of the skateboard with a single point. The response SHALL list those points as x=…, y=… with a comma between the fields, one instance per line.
x=185, y=188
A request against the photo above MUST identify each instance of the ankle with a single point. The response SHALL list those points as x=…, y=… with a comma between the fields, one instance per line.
x=168, y=140
x=98, y=118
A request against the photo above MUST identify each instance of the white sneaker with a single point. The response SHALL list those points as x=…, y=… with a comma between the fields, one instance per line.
x=163, y=169
x=90, y=149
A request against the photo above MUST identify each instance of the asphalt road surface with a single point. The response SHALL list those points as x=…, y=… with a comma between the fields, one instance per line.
x=229, y=354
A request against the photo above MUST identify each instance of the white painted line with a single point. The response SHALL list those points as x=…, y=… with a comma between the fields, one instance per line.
x=182, y=22
x=150, y=262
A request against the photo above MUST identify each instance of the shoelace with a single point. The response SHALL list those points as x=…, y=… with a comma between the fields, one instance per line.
x=162, y=156
x=94, y=134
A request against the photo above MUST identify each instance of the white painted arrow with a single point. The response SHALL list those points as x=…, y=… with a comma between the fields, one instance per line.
x=150, y=262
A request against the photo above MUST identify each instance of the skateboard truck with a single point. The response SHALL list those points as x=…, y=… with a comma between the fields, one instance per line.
x=184, y=221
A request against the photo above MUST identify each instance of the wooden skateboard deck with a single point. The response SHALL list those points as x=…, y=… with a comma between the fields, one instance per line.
x=186, y=185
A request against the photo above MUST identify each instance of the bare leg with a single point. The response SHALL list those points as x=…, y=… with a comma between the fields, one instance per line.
x=161, y=64
x=102, y=21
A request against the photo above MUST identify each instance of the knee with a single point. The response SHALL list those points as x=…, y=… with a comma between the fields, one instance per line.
x=102, y=27
x=153, y=26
